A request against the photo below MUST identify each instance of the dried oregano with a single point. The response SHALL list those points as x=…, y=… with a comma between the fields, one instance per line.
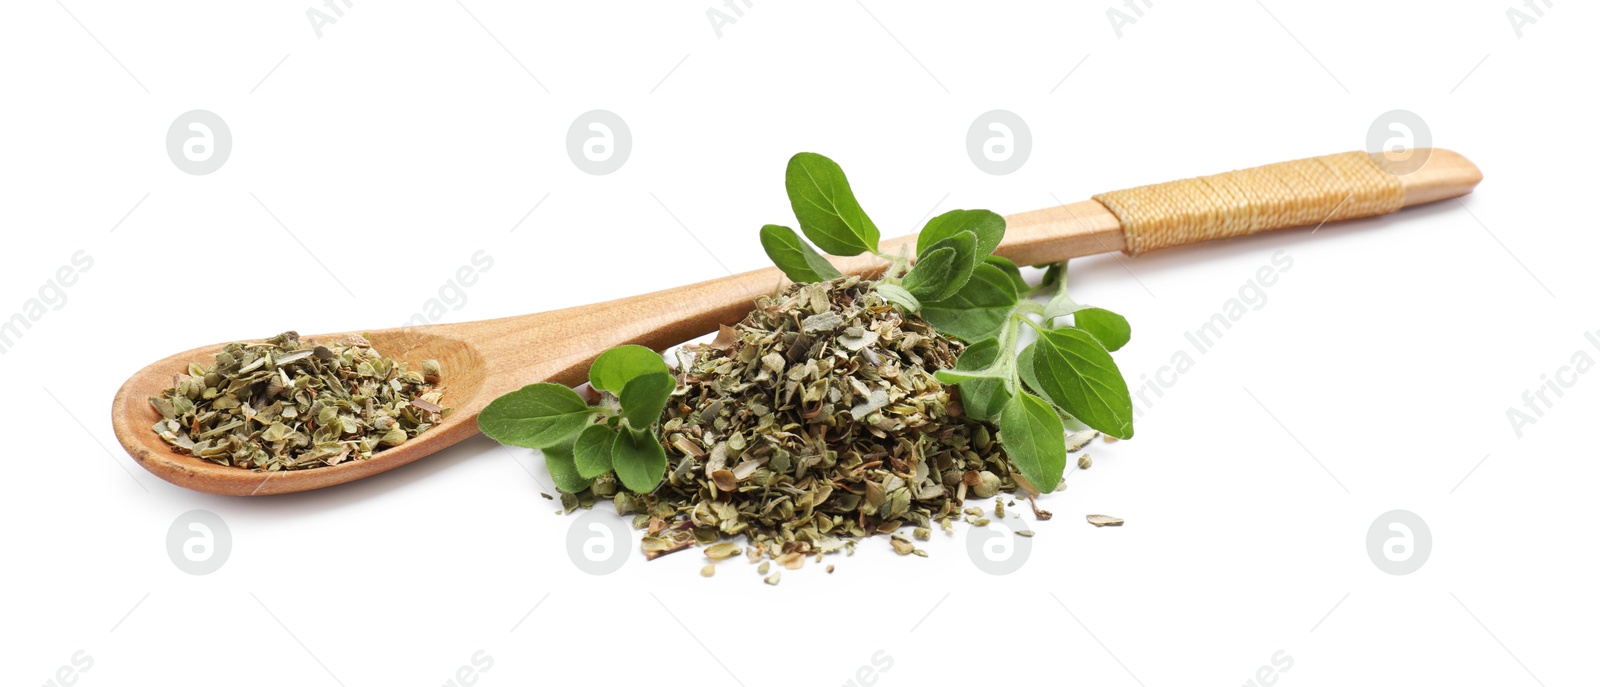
x=289, y=404
x=819, y=417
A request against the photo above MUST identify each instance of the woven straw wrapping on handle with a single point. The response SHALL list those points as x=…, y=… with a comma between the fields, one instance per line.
x=1286, y=194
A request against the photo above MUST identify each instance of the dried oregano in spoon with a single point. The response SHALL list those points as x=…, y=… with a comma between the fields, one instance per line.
x=289, y=403
x=840, y=407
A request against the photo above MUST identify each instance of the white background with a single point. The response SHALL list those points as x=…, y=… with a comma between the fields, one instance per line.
x=410, y=135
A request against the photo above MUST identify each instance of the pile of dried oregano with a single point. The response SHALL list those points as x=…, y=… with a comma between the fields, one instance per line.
x=841, y=407
x=818, y=417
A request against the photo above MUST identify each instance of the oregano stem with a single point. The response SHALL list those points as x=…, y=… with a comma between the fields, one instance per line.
x=1008, y=349
x=1061, y=284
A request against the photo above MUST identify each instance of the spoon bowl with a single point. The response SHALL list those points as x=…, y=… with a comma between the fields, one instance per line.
x=132, y=416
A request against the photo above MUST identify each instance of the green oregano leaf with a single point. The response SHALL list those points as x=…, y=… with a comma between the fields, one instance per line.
x=536, y=416
x=1012, y=271
x=960, y=376
x=979, y=356
x=1032, y=434
x=899, y=296
x=925, y=280
x=978, y=310
x=1053, y=274
x=1025, y=368
x=558, y=460
x=988, y=228
x=798, y=260
x=1110, y=328
x=612, y=370
x=828, y=212
x=985, y=390
x=638, y=460
x=944, y=268
x=1077, y=374
x=591, y=455
x=645, y=396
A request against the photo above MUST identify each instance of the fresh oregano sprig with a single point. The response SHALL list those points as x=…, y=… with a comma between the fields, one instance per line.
x=962, y=289
x=581, y=442
x=954, y=281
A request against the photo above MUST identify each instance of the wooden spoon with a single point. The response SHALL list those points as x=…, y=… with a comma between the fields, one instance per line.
x=483, y=360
